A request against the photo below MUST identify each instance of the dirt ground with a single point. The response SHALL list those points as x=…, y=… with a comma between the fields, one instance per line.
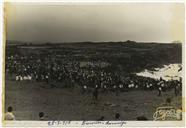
x=28, y=98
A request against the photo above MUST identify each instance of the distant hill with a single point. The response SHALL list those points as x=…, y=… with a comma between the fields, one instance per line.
x=15, y=42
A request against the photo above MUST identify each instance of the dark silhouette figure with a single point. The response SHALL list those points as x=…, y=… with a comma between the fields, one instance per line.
x=168, y=101
x=101, y=118
x=41, y=116
x=141, y=118
x=10, y=109
x=159, y=91
x=117, y=116
x=176, y=90
x=9, y=115
x=95, y=94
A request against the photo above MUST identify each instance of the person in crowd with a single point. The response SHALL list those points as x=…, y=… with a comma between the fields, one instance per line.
x=168, y=102
x=117, y=116
x=176, y=90
x=41, y=116
x=95, y=95
x=84, y=89
x=141, y=118
x=101, y=118
x=9, y=114
x=159, y=91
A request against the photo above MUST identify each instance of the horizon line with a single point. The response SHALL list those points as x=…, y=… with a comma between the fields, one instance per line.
x=58, y=42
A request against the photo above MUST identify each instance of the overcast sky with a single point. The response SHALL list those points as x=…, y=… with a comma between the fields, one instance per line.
x=149, y=22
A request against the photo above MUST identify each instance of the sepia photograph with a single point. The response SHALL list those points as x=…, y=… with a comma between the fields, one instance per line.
x=93, y=62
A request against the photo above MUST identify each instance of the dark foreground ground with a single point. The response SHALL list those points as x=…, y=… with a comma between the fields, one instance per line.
x=30, y=98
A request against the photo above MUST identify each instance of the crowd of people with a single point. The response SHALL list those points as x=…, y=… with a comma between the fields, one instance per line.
x=70, y=73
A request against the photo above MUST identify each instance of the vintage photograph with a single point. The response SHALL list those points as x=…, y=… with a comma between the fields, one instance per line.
x=93, y=62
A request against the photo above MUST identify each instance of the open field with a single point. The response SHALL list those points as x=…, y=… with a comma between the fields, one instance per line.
x=30, y=98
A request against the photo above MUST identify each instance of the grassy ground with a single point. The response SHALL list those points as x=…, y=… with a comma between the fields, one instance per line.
x=30, y=98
